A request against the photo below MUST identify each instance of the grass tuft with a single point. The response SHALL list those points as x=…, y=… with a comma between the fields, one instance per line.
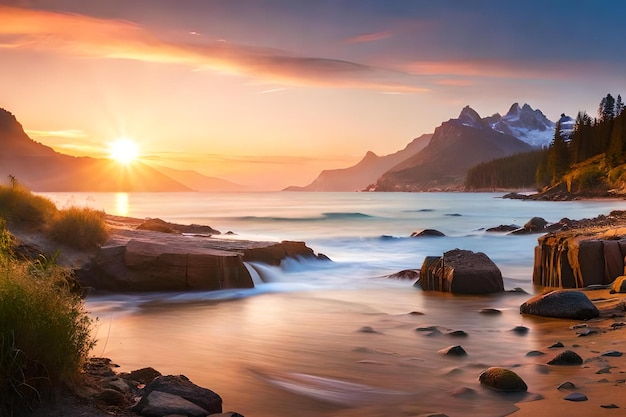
x=79, y=227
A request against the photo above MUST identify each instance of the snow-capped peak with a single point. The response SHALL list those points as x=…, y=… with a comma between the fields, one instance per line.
x=469, y=117
x=526, y=124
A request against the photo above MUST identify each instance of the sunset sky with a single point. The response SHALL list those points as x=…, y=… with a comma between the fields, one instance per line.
x=269, y=92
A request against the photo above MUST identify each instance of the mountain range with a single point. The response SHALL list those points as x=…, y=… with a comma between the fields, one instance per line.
x=442, y=159
x=41, y=168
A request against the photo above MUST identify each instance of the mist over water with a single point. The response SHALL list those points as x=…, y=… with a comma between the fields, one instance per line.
x=336, y=338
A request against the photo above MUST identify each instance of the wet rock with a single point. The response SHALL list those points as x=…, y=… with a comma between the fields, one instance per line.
x=453, y=351
x=181, y=386
x=535, y=353
x=520, y=330
x=142, y=376
x=502, y=379
x=503, y=228
x=461, y=272
x=457, y=333
x=567, y=357
x=608, y=406
x=408, y=274
x=158, y=404
x=556, y=345
x=490, y=311
x=112, y=397
x=367, y=329
x=566, y=385
x=612, y=353
x=427, y=233
x=576, y=396
x=561, y=304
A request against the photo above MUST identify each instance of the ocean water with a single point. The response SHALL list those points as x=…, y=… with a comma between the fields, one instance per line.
x=337, y=338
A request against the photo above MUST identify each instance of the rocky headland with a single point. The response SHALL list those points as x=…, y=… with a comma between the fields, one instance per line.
x=154, y=255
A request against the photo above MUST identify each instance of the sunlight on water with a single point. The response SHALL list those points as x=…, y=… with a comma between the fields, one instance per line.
x=338, y=338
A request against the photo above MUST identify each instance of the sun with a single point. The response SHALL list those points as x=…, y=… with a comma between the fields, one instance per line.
x=124, y=151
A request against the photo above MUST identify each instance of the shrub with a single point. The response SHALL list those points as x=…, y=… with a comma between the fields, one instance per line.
x=79, y=227
x=45, y=334
x=18, y=205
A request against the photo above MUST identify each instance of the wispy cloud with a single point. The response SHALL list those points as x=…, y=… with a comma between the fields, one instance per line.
x=118, y=39
x=67, y=133
x=520, y=69
x=369, y=37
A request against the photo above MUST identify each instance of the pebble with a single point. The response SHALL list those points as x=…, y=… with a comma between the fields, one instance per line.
x=458, y=333
x=576, y=396
x=556, y=345
x=567, y=357
x=535, y=353
x=367, y=329
x=609, y=406
x=566, y=385
x=520, y=329
x=453, y=351
x=612, y=353
x=490, y=311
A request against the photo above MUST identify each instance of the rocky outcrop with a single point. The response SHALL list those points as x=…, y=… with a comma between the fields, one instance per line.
x=462, y=272
x=588, y=253
x=144, y=260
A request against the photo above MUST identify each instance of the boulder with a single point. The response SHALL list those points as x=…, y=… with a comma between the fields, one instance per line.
x=535, y=225
x=461, y=272
x=503, y=228
x=502, y=379
x=159, y=404
x=562, y=304
x=567, y=357
x=427, y=233
x=180, y=385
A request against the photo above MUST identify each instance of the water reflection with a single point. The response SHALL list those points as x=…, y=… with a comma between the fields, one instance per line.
x=121, y=204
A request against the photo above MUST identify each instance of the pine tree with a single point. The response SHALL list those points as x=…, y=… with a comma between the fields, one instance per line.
x=619, y=105
x=606, y=110
x=558, y=158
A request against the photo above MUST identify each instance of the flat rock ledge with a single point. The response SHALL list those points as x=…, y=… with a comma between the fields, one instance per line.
x=134, y=259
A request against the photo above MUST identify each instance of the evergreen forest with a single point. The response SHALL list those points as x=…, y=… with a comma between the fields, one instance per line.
x=590, y=160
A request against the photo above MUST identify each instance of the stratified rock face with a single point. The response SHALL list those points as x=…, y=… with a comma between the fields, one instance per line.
x=561, y=304
x=461, y=272
x=577, y=259
x=502, y=379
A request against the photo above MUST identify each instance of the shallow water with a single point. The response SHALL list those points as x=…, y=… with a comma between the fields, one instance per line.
x=338, y=338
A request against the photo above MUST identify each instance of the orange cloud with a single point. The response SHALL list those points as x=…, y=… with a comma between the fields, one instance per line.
x=117, y=39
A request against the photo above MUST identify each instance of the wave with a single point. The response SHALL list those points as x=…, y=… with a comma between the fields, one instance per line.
x=324, y=216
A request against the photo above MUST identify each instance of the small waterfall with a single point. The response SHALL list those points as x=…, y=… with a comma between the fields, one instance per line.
x=254, y=274
x=262, y=273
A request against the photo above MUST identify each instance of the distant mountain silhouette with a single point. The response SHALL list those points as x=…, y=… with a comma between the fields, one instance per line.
x=456, y=146
x=199, y=182
x=364, y=173
x=40, y=168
